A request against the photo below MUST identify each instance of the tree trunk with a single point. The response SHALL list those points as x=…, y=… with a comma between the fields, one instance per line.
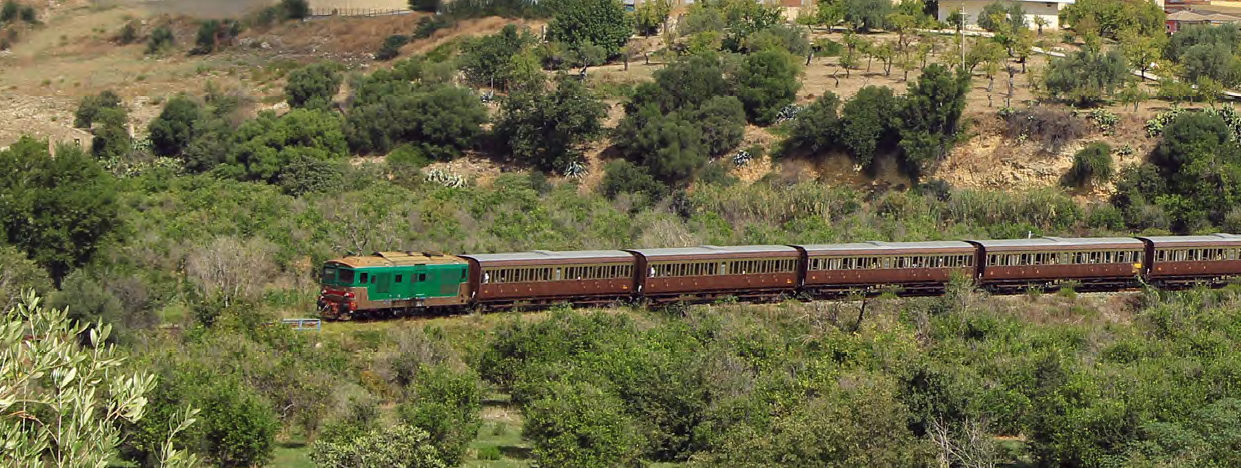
x=626, y=62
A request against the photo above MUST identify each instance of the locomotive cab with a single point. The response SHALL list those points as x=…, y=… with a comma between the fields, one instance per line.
x=392, y=283
x=337, y=296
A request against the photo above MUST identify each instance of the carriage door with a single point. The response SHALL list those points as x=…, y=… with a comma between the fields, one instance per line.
x=423, y=288
x=383, y=286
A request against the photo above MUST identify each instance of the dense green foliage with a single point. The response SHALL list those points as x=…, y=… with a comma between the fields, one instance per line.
x=58, y=210
x=1188, y=184
x=548, y=127
x=214, y=35
x=1087, y=77
x=1091, y=164
x=1108, y=18
x=313, y=86
x=866, y=122
x=492, y=60
x=264, y=148
x=90, y=108
x=766, y=82
x=161, y=39
x=389, y=111
x=447, y=406
x=174, y=129
x=602, y=23
x=931, y=116
x=391, y=47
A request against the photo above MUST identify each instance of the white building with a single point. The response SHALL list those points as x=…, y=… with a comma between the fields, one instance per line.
x=1048, y=10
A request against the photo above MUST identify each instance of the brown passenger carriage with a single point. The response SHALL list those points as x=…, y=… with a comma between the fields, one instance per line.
x=915, y=268
x=1182, y=261
x=1105, y=263
x=546, y=277
x=703, y=273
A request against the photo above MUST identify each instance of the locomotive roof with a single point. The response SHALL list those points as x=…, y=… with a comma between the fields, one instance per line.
x=881, y=247
x=714, y=250
x=1060, y=243
x=394, y=258
x=553, y=256
x=1219, y=239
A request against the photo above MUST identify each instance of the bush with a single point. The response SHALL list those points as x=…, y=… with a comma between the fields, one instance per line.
x=816, y=127
x=867, y=123
x=397, y=446
x=111, y=140
x=865, y=15
x=578, y=426
x=1051, y=128
x=175, y=127
x=18, y=275
x=444, y=120
x=391, y=47
x=931, y=116
x=1093, y=164
x=621, y=177
x=489, y=60
x=128, y=34
x=295, y=9
x=602, y=23
x=1087, y=77
x=722, y=120
x=90, y=107
x=264, y=148
x=9, y=11
x=548, y=129
x=214, y=35
x=766, y=82
x=239, y=427
x=305, y=174
x=427, y=26
x=669, y=146
x=313, y=86
x=447, y=406
x=161, y=40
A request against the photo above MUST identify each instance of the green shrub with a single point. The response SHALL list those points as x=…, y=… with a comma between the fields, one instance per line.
x=490, y=452
x=215, y=34
x=90, y=107
x=391, y=47
x=313, y=86
x=427, y=26
x=578, y=426
x=1092, y=164
x=766, y=82
x=295, y=9
x=447, y=406
x=176, y=126
x=624, y=177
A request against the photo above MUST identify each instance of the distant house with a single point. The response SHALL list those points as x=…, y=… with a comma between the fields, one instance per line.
x=1184, y=18
x=1048, y=10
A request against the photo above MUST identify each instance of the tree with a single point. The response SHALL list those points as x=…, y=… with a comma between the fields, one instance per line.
x=313, y=86
x=229, y=269
x=488, y=60
x=443, y=120
x=426, y=6
x=1041, y=22
x=816, y=127
x=931, y=116
x=685, y=83
x=1107, y=18
x=239, y=427
x=866, y=15
x=1133, y=93
x=651, y=15
x=61, y=400
x=447, y=406
x=18, y=275
x=175, y=127
x=866, y=122
x=666, y=144
x=1215, y=61
x=548, y=129
x=766, y=82
x=214, y=35
x=1091, y=164
x=1086, y=77
x=90, y=107
x=391, y=47
x=397, y=446
x=1142, y=50
x=57, y=210
x=578, y=426
x=622, y=176
x=599, y=22
x=161, y=39
x=722, y=120
x=111, y=139
x=295, y=9
x=264, y=147
x=994, y=17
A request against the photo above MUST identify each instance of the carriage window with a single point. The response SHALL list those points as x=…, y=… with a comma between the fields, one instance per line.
x=363, y=278
x=398, y=278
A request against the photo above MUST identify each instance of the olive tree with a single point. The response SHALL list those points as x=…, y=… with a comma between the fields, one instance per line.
x=61, y=399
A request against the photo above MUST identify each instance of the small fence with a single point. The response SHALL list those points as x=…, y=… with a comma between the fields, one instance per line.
x=303, y=324
x=326, y=12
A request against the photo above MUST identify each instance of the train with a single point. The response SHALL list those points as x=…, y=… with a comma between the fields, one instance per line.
x=396, y=283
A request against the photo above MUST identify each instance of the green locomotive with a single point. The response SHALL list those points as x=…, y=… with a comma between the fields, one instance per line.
x=392, y=282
